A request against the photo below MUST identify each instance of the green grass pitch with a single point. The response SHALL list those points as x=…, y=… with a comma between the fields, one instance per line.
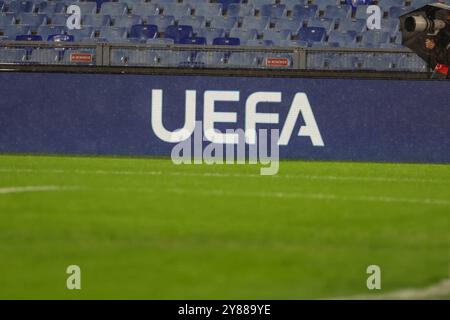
x=147, y=229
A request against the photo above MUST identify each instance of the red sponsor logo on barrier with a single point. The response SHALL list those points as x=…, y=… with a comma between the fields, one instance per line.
x=81, y=57
x=441, y=68
x=277, y=62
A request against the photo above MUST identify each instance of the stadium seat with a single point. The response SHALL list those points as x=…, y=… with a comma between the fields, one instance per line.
x=96, y=20
x=126, y=21
x=292, y=24
x=2, y=6
x=176, y=10
x=395, y=12
x=32, y=19
x=112, y=34
x=326, y=23
x=386, y=4
x=210, y=34
x=20, y=7
x=59, y=19
x=28, y=37
x=14, y=30
x=361, y=12
x=290, y=4
x=273, y=10
x=260, y=3
x=343, y=12
x=312, y=34
x=161, y=21
x=82, y=34
x=226, y=41
x=195, y=22
x=12, y=55
x=257, y=23
x=358, y=25
x=371, y=38
x=240, y=10
x=177, y=33
x=343, y=39
x=46, y=31
x=194, y=41
x=221, y=22
x=114, y=8
x=87, y=7
x=208, y=10
x=304, y=11
x=243, y=34
x=323, y=4
x=6, y=19
x=144, y=9
x=277, y=36
x=142, y=32
x=50, y=8
x=390, y=25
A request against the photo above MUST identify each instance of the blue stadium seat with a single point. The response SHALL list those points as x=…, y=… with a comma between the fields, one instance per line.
x=386, y=4
x=356, y=3
x=226, y=41
x=114, y=8
x=46, y=31
x=87, y=7
x=293, y=24
x=61, y=38
x=28, y=37
x=243, y=34
x=127, y=21
x=312, y=34
x=273, y=10
x=390, y=25
x=194, y=41
x=32, y=19
x=257, y=23
x=20, y=6
x=395, y=12
x=338, y=12
x=161, y=21
x=304, y=12
x=6, y=19
x=222, y=22
x=2, y=6
x=142, y=32
x=177, y=33
x=210, y=34
x=212, y=59
x=372, y=38
x=290, y=4
x=344, y=39
x=59, y=19
x=176, y=10
x=358, y=25
x=277, y=36
x=96, y=20
x=326, y=23
x=112, y=34
x=50, y=8
x=323, y=4
x=195, y=22
x=14, y=30
x=227, y=3
x=361, y=12
x=209, y=10
x=260, y=3
x=83, y=33
x=240, y=10
x=144, y=9
x=12, y=55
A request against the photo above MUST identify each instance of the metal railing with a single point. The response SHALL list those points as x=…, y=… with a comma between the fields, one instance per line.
x=241, y=57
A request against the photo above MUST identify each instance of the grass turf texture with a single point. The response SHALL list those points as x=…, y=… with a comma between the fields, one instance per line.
x=145, y=228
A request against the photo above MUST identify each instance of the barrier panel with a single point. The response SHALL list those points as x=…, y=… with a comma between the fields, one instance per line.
x=118, y=114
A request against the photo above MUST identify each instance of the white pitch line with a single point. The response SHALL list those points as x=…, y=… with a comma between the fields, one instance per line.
x=438, y=290
x=226, y=175
x=316, y=196
x=8, y=190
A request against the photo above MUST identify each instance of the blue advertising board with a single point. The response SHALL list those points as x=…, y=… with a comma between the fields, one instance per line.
x=115, y=114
